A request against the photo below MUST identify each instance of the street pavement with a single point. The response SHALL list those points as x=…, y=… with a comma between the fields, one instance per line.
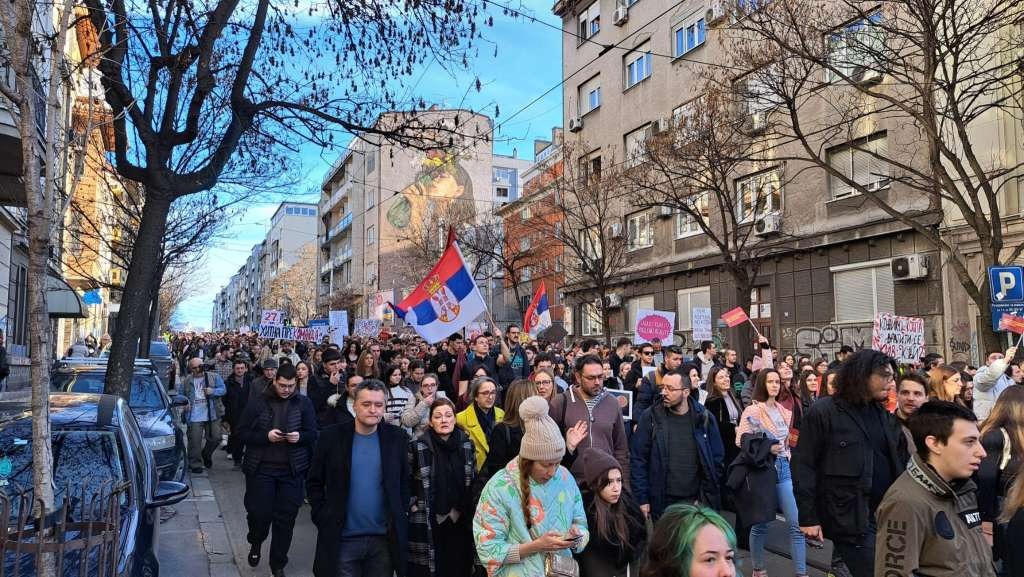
x=193, y=539
x=229, y=488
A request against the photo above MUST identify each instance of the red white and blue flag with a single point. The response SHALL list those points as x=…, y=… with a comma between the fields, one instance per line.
x=538, y=315
x=444, y=302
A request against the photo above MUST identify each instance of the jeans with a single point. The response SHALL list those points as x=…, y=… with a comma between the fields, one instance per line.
x=203, y=440
x=366, y=556
x=859, y=554
x=273, y=496
x=787, y=502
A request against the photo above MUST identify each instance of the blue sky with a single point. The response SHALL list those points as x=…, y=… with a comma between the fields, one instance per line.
x=528, y=63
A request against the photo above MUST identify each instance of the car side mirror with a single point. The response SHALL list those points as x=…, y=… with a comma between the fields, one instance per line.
x=179, y=401
x=168, y=493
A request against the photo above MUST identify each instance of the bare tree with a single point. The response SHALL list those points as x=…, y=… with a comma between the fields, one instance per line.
x=487, y=243
x=583, y=213
x=220, y=91
x=421, y=243
x=294, y=290
x=914, y=87
x=179, y=283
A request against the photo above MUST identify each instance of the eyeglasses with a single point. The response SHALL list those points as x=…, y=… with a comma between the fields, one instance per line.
x=543, y=382
x=591, y=378
x=487, y=393
x=646, y=353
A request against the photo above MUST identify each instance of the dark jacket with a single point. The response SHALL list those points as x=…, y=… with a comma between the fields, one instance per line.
x=752, y=478
x=834, y=453
x=726, y=429
x=327, y=487
x=318, y=389
x=607, y=557
x=649, y=455
x=503, y=446
x=257, y=421
x=236, y=397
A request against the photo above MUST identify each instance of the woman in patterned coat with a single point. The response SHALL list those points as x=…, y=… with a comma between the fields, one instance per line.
x=532, y=507
x=443, y=467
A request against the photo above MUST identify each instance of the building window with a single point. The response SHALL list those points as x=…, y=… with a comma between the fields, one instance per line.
x=525, y=274
x=854, y=50
x=590, y=21
x=641, y=230
x=589, y=242
x=590, y=168
x=524, y=244
x=371, y=198
x=589, y=95
x=859, y=161
x=524, y=302
x=635, y=304
x=686, y=301
x=759, y=195
x=688, y=36
x=525, y=213
x=636, y=145
x=863, y=291
x=371, y=235
x=371, y=161
x=567, y=319
x=590, y=319
x=371, y=272
x=501, y=192
x=686, y=224
x=638, y=65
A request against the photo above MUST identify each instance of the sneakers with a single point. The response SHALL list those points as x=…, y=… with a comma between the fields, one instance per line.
x=208, y=461
x=254, y=555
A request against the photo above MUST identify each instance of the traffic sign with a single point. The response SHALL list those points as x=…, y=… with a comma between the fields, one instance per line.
x=999, y=309
x=1007, y=283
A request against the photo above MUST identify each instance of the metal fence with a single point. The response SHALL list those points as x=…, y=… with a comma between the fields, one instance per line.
x=81, y=537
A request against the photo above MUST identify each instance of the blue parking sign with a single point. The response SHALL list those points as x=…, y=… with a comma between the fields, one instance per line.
x=1007, y=283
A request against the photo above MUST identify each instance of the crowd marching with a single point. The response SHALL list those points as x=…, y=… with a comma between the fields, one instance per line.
x=509, y=457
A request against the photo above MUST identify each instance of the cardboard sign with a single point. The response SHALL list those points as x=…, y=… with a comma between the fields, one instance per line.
x=902, y=338
x=272, y=318
x=651, y=324
x=625, y=400
x=367, y=328
x=700, y=321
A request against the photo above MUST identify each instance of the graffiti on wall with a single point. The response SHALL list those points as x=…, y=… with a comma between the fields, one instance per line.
x=825, y=341
x=962, y=343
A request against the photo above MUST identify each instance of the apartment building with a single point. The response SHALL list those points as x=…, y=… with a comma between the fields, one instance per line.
x=835, y=259
x=341, y=225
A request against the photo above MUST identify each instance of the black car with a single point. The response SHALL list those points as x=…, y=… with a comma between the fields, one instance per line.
x=163, y=360
x=161, y=416
x=96, y=444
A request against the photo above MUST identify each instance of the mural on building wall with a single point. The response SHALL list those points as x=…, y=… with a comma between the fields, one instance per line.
x=440, y=177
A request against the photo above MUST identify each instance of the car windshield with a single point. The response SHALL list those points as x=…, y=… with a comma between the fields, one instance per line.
x=159, y=349
x=145, y=393
x=86, y=461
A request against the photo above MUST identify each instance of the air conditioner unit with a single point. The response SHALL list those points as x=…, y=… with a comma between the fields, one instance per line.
x=768, y=225
x=621, y=15
x=615, y=230
x=664, y=211
x=716, y=13
x=575, y=124
x=613, y=300
x=910, y=267
x=660, y=125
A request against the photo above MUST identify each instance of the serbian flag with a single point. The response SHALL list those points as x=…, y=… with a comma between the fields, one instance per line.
x=444, y=302
x=1012, y=323
x=538, y=315
x=735, y=317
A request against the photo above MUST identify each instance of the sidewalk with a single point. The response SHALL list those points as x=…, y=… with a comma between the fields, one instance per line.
x=196, y=526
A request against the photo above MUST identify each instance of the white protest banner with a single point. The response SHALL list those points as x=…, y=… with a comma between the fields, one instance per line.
x=652, y=324
x=339, y=326
x=902, y=338
x=272, y=318
x=307, y=334
x=700, y=321
x=368, y=328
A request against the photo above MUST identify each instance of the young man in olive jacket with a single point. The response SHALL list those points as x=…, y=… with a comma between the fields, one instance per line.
x=850, y=451
x=929, y=522
x=359, y=493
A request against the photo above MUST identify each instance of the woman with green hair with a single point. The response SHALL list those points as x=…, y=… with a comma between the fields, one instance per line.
x=691, y=541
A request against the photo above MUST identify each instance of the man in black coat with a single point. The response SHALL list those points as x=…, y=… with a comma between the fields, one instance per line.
x=850, y=451
x=235, y=400
x=279, y=430
x=359, y=493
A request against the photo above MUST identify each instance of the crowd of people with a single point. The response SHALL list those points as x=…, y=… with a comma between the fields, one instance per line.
x=507, y=457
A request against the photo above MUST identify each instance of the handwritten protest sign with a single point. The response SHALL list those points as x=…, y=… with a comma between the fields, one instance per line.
x=651, y=324
x=700, y=320
x=305, y=334
x=902, y=338
x=367, y=328
x=272, y=318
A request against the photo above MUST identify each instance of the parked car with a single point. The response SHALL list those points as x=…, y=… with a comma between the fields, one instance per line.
x=161, y=417
x=163, y=361
x=97, y=444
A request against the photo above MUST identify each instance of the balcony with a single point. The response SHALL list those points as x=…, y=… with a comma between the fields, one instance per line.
x=326, y=267
x=336, y=197
x=339, y=228
x=342, y=257
x=12, y=190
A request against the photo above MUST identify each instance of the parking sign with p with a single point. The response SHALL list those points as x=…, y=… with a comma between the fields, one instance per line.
x=1007, y=283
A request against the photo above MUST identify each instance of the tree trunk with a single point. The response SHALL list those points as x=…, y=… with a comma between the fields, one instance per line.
x=154, y=316
x=132, y=318
x=741, y=337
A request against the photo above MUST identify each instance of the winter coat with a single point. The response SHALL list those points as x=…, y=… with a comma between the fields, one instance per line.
x=258, y=420
x=604, y=558
x=422, y=517
x=726, y=429
x=469, y=423
x=989, y=383
x=834, y=453
x=499, y=526
x=503, y=446
x=214, y=403
x=928, y=526
x=236, y=397
x=416, y=415
x=649, y=456
x=606, y=430
x=327, y=488
x=752, y=478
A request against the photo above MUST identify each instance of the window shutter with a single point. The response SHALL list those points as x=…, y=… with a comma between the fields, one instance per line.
x=879, y=167
x=885, y=290
x=855, y=294
x=840, y=160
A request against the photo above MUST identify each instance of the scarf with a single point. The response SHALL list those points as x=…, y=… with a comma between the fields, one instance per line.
x=486, y=419
x=448, y=473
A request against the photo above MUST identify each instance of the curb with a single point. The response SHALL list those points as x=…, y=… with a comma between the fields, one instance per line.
x=215, y=535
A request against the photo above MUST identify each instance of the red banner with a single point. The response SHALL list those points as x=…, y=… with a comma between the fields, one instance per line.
x=735, y=317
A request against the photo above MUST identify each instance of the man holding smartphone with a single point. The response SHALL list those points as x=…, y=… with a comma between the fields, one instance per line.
x=279, y=429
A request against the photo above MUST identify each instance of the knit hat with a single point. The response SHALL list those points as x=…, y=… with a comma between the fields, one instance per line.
x=270, y=364
x=542, y=439
x=595, y=463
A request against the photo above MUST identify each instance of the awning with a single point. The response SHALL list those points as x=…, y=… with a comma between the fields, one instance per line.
x=62, y=301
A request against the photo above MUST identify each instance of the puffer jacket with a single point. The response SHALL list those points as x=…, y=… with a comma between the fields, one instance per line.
x=257, y=421
x=927, y=526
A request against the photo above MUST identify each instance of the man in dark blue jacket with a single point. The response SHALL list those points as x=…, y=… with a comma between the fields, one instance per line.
x=359, y=493
x=677, y=452
x=279, y=430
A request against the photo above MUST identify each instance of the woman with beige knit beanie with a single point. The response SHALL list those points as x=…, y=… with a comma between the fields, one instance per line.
x=532, y=507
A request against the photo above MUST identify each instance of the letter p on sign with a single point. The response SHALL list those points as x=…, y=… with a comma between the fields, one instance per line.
x=1007, y=283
